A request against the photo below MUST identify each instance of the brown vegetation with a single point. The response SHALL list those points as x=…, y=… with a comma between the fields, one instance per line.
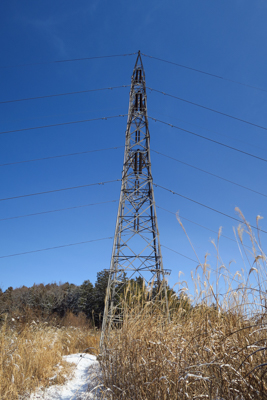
x=31, y=353
x=214, y=349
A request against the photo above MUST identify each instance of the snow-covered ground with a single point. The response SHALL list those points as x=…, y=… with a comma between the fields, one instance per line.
x=83, y=384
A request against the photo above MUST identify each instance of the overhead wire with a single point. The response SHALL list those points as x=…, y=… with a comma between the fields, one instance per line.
x=59, y=190
x=205, y=72
x=95, y=240
x=208, y=139
x=60, y=156
x=62, y=114
x=209, y=130
x=106, y=202
x=125, y=86
x=208, y=108
x=209, y=173
x=98, y=240
x=204, y=205
x=131, y=54
x=119, y=147
x=68, y=245
x=197, y=224
x=117, y=180
x=206, y=266
x=73, y=244
x=68, y=60
x=126, y=115
x=55, y=247
x=63, y=123
x=63, y=94
x=180, y=254
x=58, y=209
x=108, y=238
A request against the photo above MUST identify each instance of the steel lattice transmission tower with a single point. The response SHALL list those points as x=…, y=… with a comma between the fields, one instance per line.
x=136, y=247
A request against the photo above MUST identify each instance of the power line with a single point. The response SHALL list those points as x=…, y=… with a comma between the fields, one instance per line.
x=106, y=202
x=209, y=130
x=204, y=205
x=180, y=254
x=208, y=108
x=124, y=115
x=201, y=226
x=75, y=244
x=210, y=140
x=205, y=73
x=61, y=155
x=68, y=60
x=98, y=240
x=130, y=54
x=55, y=247
x=58, y=190
x=63, y=114
x=64, y=123
x=59, y=209
x=206, y=266
x=210, y=173
x=63, y=94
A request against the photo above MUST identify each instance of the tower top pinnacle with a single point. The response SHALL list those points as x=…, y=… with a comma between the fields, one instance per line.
x=139, y=64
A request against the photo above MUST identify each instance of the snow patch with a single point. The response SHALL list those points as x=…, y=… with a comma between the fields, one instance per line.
x=83, y=385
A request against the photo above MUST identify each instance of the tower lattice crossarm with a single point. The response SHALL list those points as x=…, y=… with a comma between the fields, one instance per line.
x=136, y=247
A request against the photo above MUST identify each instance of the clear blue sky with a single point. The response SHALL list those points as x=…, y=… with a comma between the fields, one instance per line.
x=226, y=38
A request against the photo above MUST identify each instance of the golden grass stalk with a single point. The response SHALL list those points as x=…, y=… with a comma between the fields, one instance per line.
x=214, y=349
x=32, y=356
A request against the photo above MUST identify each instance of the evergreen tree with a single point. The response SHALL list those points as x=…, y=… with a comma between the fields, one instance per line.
x=86, y=298
x=99, y=296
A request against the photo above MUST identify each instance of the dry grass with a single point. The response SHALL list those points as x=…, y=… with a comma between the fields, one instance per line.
x=217, y=349
x=202, y=354
x=31, y=355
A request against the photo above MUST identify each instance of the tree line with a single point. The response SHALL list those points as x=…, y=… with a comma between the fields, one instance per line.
x=59, y=299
